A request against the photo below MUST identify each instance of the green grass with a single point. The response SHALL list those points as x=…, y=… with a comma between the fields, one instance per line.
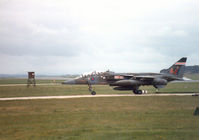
x=122, y=118
x=98, y=118
x=192, y=76
x=24, y=81
x=176, y=88
x=51, y=90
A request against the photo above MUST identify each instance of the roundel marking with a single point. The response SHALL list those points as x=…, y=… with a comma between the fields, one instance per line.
x=92, y=78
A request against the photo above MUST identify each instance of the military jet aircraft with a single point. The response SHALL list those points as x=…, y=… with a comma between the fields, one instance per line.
x=132, y=81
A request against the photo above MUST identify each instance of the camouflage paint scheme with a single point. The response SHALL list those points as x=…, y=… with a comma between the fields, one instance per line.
x=132, y=81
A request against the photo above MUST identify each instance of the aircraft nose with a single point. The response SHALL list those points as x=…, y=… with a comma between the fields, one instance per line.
x=70, y=82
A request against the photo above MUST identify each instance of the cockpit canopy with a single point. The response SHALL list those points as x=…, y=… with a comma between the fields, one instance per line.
x=96, y=73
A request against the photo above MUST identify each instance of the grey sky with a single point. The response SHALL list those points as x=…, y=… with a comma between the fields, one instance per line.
x=60, y=37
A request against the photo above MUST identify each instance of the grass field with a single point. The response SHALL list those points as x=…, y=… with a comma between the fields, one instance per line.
x=51, y=90
x=24, y=81
x=192, y=76
x=108, y=118
x=122, y=118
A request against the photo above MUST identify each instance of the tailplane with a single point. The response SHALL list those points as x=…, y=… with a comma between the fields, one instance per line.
x=176, y=69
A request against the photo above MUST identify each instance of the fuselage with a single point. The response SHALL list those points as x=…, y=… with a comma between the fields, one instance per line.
x=132, y=81
x=133, y=78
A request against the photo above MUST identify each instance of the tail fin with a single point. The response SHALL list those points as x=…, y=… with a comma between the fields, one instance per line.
x=176, y=69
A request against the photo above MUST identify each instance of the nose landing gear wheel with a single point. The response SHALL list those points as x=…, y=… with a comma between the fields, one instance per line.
x=93, y=92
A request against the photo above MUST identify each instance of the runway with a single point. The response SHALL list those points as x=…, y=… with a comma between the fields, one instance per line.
x=95, y=96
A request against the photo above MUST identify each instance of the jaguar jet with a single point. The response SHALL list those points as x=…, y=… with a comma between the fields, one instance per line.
x=132, y=81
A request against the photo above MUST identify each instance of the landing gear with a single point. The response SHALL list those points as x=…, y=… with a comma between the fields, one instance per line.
x=139, y=91
x=91, y=89
x=93, y=92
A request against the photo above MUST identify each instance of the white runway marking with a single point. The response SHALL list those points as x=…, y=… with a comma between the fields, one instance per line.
x=92, y=96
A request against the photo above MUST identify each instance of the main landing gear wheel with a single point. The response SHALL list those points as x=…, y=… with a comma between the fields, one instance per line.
x=137, y=91
x=140, y=91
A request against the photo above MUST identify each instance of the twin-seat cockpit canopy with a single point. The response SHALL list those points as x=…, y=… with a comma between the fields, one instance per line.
x=94, y=73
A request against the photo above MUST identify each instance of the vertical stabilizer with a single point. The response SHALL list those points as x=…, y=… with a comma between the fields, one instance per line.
x=176, y=69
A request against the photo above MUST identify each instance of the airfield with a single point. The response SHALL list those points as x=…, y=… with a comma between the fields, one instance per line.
x=54, y=111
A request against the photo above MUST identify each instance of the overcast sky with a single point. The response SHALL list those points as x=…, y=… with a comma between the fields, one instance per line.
x=77, y=36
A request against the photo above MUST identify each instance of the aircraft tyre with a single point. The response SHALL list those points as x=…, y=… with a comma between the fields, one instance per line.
x=93, y=92
x=137, y=91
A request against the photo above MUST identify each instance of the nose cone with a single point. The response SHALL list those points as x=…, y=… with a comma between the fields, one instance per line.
x=70, y=82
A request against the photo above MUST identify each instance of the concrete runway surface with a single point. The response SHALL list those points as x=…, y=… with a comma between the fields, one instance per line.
x=94, y=96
